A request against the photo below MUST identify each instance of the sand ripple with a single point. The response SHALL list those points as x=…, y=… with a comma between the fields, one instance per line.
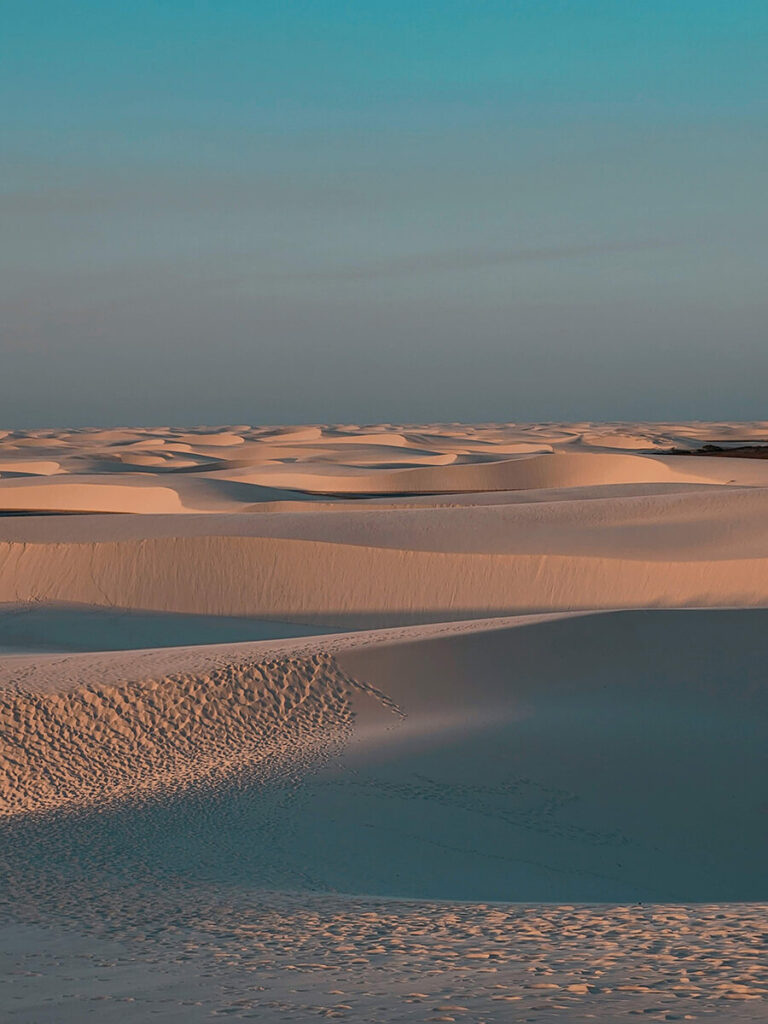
x=97, y=744
x=272, y=957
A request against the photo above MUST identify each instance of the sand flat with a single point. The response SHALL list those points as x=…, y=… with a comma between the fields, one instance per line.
x=386, y=722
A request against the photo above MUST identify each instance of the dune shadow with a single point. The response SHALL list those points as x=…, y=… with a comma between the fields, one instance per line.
x=61, y=627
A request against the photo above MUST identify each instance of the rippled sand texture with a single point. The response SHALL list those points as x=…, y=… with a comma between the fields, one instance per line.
x=84, y=746
x=281, y=959
x=384, y=723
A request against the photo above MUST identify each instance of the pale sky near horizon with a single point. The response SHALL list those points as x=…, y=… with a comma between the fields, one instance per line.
x=254, y=211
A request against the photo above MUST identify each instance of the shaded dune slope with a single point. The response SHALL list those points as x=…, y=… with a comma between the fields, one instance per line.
x=594, y=757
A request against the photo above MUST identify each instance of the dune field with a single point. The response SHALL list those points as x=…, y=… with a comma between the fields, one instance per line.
x=384, y=723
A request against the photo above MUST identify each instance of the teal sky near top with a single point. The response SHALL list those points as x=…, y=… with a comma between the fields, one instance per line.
x=323, y=211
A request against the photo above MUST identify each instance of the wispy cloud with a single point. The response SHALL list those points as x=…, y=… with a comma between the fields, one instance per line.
x=471, y=259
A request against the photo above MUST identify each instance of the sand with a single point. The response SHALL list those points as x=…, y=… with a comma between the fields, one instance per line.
x=384, y=722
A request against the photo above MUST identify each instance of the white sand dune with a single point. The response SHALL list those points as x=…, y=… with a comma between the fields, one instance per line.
x=617, y=756
x=372, y=567
x=382, y=460
x=523, y=472
x=591, y=757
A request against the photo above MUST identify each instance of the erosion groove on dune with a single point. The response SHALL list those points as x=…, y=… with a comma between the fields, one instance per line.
x=95, y=744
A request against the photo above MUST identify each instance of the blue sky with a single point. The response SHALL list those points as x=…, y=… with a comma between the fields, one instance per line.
x=274, y=212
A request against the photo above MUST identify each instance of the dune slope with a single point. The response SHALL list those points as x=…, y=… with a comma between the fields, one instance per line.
x=618, y=756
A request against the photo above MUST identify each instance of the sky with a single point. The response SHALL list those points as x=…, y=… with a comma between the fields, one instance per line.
x=278, y=211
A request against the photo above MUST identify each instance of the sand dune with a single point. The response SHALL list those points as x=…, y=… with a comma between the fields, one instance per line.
x=358, y=585
x=587, y=758
x=523, y=472
x=595, y=757
x=382, y=460
x=271, y=553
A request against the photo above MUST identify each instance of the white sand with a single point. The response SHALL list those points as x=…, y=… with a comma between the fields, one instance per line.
x=171, y=734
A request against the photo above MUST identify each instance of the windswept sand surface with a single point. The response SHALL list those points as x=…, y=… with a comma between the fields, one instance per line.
x=384, y=723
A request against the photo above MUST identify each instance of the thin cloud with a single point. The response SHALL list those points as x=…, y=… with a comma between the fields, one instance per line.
x=476, y=259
